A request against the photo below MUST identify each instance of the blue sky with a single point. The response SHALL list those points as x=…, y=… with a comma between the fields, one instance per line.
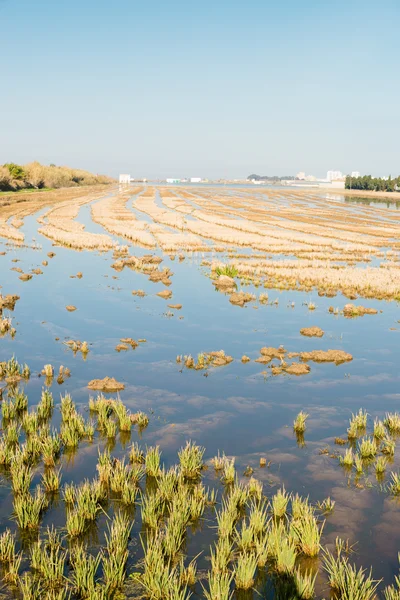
x=211, y=88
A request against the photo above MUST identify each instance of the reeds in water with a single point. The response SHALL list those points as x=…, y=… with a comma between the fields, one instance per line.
x=299, y=424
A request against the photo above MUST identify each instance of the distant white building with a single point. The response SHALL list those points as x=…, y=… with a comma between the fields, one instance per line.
x=301, y=175
x=355, y=173
x=173, y=180
x=195, y=179
x=332, y=175
x=124, y=178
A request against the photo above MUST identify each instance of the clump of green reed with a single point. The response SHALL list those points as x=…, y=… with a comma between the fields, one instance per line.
x=51, y=448
x=7, y=546
x=89, y=496
x=76, y=523
x=359, y=464
x=30, y=587
x=245, y=537
x=357, y=424
x=28, y=508
x=388, y=446
x=152, y=461
x=392, y=422
x=20, y=400
x=21, y=476
x=168, y=481
x=8, y=410
x=279, y=502
x=379, y=429
x=348, y=459
x=69, y=494
x=255, y=488
x=45, y=406
x=307, y=535
x=110, y=428
x=11, y=434
x=114, y=563
x=218, y=461
x=219, y=585
x=51, y=480
x=136, y=454
x=152, y=509
x=367, y=448
x=394, y=486
x=187, y=575
x=305, y=584
x=30, y=422
x=227, y=270
x=285, y=556
x=13, y=371
x=85, y=567
x=327, y=505
x=191, y=460
x=346, y=581
x=380, y=465
x=124, y=419
x=229, y=471
x=141, y=419
x=258, y=516
x=300, y=507
x=6, y=454
x=104, y=467
x=245, y=571
x=174, y=534
x=119, y=475
x=299, y=424
x=11, y=569
x=226, y=519
x=90, y=429
x=48, y=560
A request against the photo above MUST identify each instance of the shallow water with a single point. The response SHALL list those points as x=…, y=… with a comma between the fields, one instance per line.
x=240, y=409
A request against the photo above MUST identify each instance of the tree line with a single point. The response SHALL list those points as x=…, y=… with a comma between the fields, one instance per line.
x=375, y=184
x=14, y=177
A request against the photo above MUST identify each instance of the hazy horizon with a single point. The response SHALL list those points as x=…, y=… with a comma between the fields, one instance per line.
x=216, y=90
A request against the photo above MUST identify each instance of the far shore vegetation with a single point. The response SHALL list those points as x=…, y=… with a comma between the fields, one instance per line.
x=373, y=184
x=34, y=176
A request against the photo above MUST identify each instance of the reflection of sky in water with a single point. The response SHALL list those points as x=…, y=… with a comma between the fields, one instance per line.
x=236, y=408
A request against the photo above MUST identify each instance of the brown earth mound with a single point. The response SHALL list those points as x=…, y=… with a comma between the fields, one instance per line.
x=350, y=310
x=70, y=307
x=245, y=358
x=108, y=384
x=336, y=356
x=297, y=369
x=240, y=298
x=175, y=306
x=140, y=293
x=8, y=301
x=273, y=352
x=165, y=294
x=224, y=281
x=312, y=331
x=25, y=277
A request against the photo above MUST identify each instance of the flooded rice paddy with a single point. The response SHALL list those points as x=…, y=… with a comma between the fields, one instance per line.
x=241, y=409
